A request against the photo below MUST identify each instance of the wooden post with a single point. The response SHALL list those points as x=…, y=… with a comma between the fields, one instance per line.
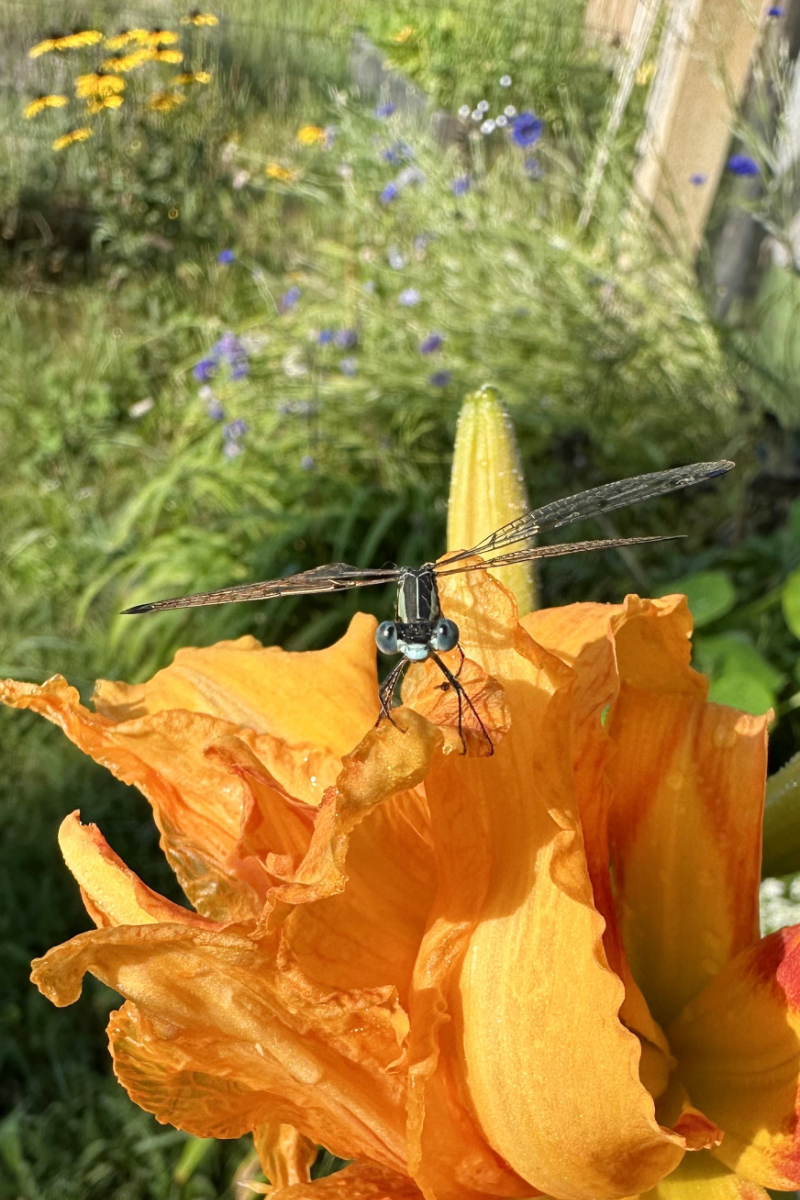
x=703, y=65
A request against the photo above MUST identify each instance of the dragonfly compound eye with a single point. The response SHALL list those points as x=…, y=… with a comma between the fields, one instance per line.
x=445, y=635
x=386, y=637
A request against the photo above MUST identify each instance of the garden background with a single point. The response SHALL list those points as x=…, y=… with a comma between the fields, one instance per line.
x=239, y=318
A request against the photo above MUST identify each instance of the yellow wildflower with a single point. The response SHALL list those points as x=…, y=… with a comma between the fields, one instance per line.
x=127, y=36
x=310, y=135
x=200, y=18
x=166, y=101
x=274, y=170
x=167, y=56
x=98, y=85
x=74, y=135
x=98, y=104
x=645, y=73
x=129, y=62
x=69, y=41
x=161, y=37
x=404, y=34
x=41, y=103
x=192, y=77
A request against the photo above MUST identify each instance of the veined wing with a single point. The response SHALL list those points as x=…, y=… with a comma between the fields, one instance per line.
x=596, y=502
x=333, y=577
x=531, y=552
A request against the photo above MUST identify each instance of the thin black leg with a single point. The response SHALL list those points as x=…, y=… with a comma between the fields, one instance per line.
x=461, y=692
x=387, y=690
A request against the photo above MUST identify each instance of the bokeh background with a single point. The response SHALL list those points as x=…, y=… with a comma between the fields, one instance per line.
x=238, y=319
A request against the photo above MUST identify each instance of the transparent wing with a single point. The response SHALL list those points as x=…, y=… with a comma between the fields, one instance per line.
x=333, y=577
x=531, y=552
x=593, y=503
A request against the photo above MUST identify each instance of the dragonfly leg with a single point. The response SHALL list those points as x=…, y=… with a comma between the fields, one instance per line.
x=444, y=686
x=387, y=690
x=462, y=695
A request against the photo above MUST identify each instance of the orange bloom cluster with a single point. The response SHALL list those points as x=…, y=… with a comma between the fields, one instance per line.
x=535, y=973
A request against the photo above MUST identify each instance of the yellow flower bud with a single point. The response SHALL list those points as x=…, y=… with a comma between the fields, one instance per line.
x=487, y=488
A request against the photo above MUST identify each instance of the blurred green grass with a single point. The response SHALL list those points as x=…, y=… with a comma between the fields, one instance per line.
x=602, y=345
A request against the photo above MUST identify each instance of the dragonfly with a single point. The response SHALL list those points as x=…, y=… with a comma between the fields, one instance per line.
x=420, y=630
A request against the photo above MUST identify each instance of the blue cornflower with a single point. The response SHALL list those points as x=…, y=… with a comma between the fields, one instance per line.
x=389, y=193
x=289, y=299
x=348, y=366
x=345, y=339
x=230, y=347
x=775, y=11
x=409, y=297
x=204, y=370
x=440, y=378
x=399, y=152
x=526, y=129
x=698, y=179
x=434, y=341
x=461, y=185
x=226, y=257
x=240, y=370
x=325, y=337
x=742, y=164
x=385, y=110
x=215, y=410
x=533, y=168
x=234, y=430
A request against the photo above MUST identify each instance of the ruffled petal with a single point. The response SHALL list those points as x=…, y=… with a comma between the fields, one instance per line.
x=223, y=1034
x=286, y=1156
x=359, y=1181
x=687, y=781
x=327, y=698
x=512, y=992
x=738, y=1050
x=700, y=1177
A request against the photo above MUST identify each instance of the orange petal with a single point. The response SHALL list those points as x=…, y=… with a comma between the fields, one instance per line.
x=700, y=1177
x=513, y=996
x=687, y=779
x=328, y=698
x=218, y=1037
x=738, y=1050
x=286, y=1156
x=359, y=1181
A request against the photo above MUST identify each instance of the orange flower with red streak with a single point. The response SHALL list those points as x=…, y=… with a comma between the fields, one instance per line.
x=535, y=973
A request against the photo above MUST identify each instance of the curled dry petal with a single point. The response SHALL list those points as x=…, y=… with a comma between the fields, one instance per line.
x=360, y=1181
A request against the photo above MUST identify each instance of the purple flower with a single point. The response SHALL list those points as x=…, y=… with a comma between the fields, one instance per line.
x=307, y=463
x=434, y=341
x=240, y=370
x=409, y=297
x=234, y=430
x=742, y=164
x=698, y=179
x=385, y=110
x=232, y=449
x=526, y=129
x=325, y=337
x=461, y=185
x=229, y=347
x=226, y=257
x=389, y=193
x=204, y=370
x=289, y=299
x=399, y=152
x=215, y=410
x=533, y=168
x=440, y=378
x=775, y=11
x=348, y=366
x=345, y=339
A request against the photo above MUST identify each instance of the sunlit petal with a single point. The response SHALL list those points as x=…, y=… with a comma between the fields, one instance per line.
x=360, y=1181
x=738, y=1049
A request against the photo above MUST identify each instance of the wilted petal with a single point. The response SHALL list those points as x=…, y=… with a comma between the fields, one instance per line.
x=214, y=1014
x=738, y=1050
x=286, y=1156
x=327, y=698
x=359, y=1181
x=685, y=824
x=513, y=996
x=700, y=1177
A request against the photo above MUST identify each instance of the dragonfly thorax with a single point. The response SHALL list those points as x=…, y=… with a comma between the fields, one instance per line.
x=418, y=627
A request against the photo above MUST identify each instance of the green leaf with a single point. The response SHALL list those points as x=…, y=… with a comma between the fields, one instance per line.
x=742, y=691
x=790, y=602
x=740, y=675
x=710, y=594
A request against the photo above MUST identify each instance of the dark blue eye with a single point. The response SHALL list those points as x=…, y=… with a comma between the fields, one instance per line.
x=445, y=635
x=386, y=637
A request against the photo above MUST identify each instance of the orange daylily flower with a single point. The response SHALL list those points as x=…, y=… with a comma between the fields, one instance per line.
x=535, y=973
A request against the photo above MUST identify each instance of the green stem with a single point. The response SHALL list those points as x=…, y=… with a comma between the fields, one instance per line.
x=782, y=820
